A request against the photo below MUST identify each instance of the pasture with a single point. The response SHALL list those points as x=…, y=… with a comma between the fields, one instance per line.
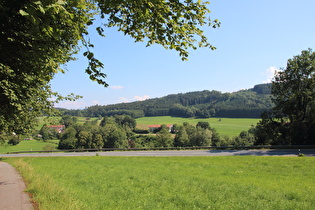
x=225, y=126
x=233, y=182
x=29, y=145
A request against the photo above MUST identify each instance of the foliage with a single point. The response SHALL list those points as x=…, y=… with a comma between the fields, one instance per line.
x=246, y=138
x=292, y=120
x=204, y=125
x=14, y=140
x=173, y=24
x=114, y=136
x=144, y=141
x=68, y=120
x=2, y=140
x=200, y=104
x=114, y=132
x=44, y=131
x=181, y=138
x=111, y=133
x=37, y=37
x=48, y=133
x=68, y=139
x=49, y=147
x=164, y=137
x=125, y=120
x=234, y=182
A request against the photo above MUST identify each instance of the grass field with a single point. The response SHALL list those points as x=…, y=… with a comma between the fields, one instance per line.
x=82, y=120
x=47, y=120
x=225, y=126
x=239, y=182
x=29, y=145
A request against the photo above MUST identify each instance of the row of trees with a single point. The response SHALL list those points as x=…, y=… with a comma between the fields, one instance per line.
x=200, y=104
x=112, y=132
x=120, y=131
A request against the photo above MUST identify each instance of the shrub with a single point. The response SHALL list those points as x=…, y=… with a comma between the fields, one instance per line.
x=49, y=147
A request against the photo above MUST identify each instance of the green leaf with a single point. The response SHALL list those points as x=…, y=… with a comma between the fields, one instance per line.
x=23, y=13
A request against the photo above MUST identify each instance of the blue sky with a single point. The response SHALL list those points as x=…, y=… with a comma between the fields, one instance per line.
x=255, y=38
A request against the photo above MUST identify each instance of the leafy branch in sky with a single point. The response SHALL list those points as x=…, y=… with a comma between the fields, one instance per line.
x=37, y=37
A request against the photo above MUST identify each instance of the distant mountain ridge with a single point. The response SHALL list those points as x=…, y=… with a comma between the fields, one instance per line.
x=248, y=103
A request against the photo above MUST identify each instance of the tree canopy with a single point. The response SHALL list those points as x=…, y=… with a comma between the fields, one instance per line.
x=38, y=36
x=292, y=120
x=249, y=103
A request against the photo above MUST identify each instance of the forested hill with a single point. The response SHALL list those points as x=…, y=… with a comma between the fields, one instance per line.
x=202, y=104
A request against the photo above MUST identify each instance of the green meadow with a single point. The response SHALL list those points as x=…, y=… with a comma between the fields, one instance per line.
x=29, y=145
x=55, y=121
x=225, y=126
x=232, y=182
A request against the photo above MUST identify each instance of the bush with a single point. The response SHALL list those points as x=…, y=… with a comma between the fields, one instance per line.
x=14, y=141
x=49, y=147
x=141, y=131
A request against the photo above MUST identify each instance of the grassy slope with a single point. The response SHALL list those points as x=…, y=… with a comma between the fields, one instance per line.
x=225, y=126
x=170, y=182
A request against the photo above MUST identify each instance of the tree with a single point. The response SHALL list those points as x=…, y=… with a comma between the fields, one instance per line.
x=68, y=139
x=33, y=46
x=106, y=120
x=44, y=131
x=204, y=125
x=84, y=139
x=68, y=120
x=164, y=137
x=2, y=140
x=202, y=137
x=245, y=138
x=114, y=136
x=125, y=120
x=181, y=138
x=293, y=116
x=97, y=141
x=216, y=138
x=37, y=37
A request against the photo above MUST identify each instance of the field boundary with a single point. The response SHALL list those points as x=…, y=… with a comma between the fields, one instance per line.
x=176, y=148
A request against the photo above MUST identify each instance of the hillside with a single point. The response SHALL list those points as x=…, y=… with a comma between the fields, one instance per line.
x=201, y=104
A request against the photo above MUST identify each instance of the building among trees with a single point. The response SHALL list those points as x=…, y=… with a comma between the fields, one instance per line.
x=57, y=128
x=154, y=128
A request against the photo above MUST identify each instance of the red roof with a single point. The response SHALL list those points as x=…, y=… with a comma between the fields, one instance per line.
x=56, y=126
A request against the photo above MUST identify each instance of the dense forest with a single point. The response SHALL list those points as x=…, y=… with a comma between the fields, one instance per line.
x=250, y=103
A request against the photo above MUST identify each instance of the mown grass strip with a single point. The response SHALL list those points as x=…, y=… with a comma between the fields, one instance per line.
x=170, y=182
x=29, y=145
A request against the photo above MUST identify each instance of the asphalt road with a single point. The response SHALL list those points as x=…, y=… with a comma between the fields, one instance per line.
x=270, y=152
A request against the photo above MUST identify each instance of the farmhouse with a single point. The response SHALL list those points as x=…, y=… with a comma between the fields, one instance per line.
x=57, y=128
x=153, y=128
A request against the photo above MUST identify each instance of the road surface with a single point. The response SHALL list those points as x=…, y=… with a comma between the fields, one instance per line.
x=270, y=152
x=12, y=195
